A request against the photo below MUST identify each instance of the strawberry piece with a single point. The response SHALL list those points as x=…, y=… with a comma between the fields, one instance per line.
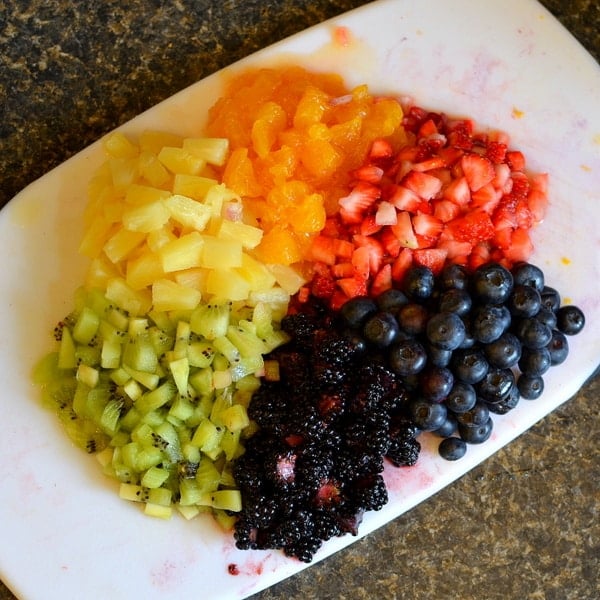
x=382, y=281
x=361, y=262
x=424, y=185
x=404, y=232
x=478, y=170
x=427, y=128
x=460, y=135
x=427, y=225
x=434, y=258
x=353, y=286
x=486, y=198
x=436, y=162
x=386, y=214
x=369, y=226
x=401, y=265
x=516, y=160
x=322, y=286
x=380, y=149
x=520, y=185
x=323, y=250
x=445, y=210
x=455, y=248
x=374, y=249
x=520, y=248
x=458, y=192
x=402, y=198
x=495, y=152
x=475, y=226
x=538, y=204
x=369, y=173
x=362, y=197
x=345, y=269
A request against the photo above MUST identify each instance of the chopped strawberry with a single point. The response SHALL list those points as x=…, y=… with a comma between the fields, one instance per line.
x=382, y=281
x=402, y=264
x=424, y=185
x=369, y=226
x=391, y=244
x=323, y=250
x=486, y=198
x=353, y=286
x=538, y=204
x=520, y=248
x=362, y=197
x=454, y=248
x=475, y=226
x=361, y=259
x=516, y=160
x=495, y=152
x=344, y=269
x=434, y=258
x=427, y=225
x=435, y=162
x=386, y=214
x=520, y=185
x=445, y=210
x=460, y=135
x=478, y=170
x=381, y=149
x=402, y=198
x=404, y=232
x=369, y=173
x=458, y=192
x=427, y=128
x=322, y=286
x=374, y=248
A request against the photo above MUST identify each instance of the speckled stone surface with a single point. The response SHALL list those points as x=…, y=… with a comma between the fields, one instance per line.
x=525, y=525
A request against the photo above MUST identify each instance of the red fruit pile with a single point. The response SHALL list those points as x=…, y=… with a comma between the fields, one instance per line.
x=452, y=194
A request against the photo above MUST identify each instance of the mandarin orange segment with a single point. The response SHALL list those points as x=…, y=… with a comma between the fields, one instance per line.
x=239, y=174
x=279, y=246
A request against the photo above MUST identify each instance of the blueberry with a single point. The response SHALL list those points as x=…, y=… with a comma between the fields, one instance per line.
x=391, y=300
x=528, y=274
x=504, y=352
x=437, y=356
x=489, y=322
x=530, y=387
x=558, y=348
x=570, y=319
x=448, y=428
x=476, y=434
x=496, y=385
x=478, y=415
x=535, y=361
x=547, y=316
x=462, y=397
x=381, y=329
x=507, y=404
x=419, y=283
x=455, y=300
x=452, y=448
x=356, y=310
x=550, y=298
x=532, y=332
x=525, y=301
x=445, y=330
x=428, y=416
x=492, y=283
x=469, y=365
x=454, y=276
x=412, y=318
x=436, y=383
x=407, y=357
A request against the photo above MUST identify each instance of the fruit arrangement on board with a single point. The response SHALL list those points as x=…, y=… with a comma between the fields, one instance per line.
x=276, y=310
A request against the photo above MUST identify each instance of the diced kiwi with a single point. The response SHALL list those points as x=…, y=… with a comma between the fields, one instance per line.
x=162, y=397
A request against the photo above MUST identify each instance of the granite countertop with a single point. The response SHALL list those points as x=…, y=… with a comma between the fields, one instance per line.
x=523, y=525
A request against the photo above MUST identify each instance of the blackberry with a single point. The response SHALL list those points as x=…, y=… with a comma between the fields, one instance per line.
x=369, y=493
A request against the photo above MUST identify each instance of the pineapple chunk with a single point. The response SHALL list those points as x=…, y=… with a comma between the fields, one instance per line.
x=135, y=302
x=178, y=160
x=182, y=253
x=188, y=212
x=153, y=141
x=118, y=146
x=223, y=283
x=248, y=235
x=193, y=186
x=146, y=218
x=138, y=194
x=168, y=295
x=212, y=150
x=144, y=270
x=122, y=243
x=152, y=170
x=221, y=254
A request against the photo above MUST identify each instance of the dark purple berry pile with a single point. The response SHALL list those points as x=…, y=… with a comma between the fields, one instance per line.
x=358, y=386
x=326, y=426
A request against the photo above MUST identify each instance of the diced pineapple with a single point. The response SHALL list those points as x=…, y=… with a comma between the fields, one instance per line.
x=193, y=278
x=168, y=295
x=212, y=150
x=193, y=186
x=157, y=239
x=256, y=273
x=122, y=243
x=287, y=277
x=100, y=272
x=248, y=235
x=221, y=254
x=135, y=302
x=152, y=170
x=143, y=270
x=117, y=145
x=180, y=161
x=182, y=253
x=222, y=283
x=147, y=217
x=95, y=237
x=153, y=140
x=124, y=171
x=188, y=212
x=138, y=194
